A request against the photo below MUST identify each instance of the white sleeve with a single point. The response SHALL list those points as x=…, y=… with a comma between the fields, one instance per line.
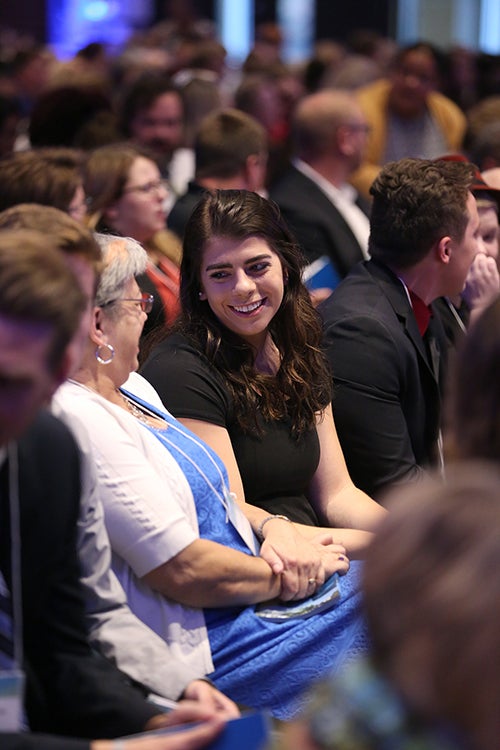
x=143, y=491
x=112, y=625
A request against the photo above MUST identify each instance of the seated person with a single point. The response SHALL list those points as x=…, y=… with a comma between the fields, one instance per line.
x=182, y=549
x=432, y=603
x=482, y=284
x=230, y=150
x=473, y=406
x=245, y=372
x=69, y=689
x=407, y=115
x=112, y=626
x=48, y=176
x=127, y=196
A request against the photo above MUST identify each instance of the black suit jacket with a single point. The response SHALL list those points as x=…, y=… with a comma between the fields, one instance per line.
x=317, y=224
x=387, y=379
x=70, y=690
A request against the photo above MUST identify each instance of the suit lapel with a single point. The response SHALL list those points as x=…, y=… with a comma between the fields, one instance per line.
x=395, y=292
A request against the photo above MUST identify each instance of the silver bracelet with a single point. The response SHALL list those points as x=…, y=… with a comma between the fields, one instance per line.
x=260, y=530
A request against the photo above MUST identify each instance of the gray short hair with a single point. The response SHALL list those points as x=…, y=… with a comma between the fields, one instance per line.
x=123, y=259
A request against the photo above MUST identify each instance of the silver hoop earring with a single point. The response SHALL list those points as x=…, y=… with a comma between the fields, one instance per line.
x=110, y=352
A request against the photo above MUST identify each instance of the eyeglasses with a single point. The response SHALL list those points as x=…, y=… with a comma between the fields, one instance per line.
x=148, y=187
x=145, y=302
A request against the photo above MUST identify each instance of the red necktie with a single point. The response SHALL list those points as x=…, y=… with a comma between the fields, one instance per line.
x=421, y=311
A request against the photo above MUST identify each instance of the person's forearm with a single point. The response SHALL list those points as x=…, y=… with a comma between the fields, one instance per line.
x=207, y=574
x=351, y=508
x=355, y=541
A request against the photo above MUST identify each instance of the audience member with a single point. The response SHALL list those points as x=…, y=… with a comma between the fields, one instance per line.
x=353, y=72
x=432, y=604
x=245, y=372
x=76, y=115
x=30, y=70
x=201, y=96
x=69, y=690
x=152, y=116
x=128, y=197
x=474, y=405
x=484, y=150
x=10, y=120
x=482, y=284
x=408, y=117
x=183, y=550
x=480, y=140
x=259, y=96
x=230, y=153
x=386, y=346
x=113, y=630
x=325, y=213
x=51, y=177
x=492, y=177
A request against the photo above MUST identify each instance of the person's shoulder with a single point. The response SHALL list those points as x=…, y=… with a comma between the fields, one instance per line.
x=374, y=91
x=437, y=100
x=363, y=293
x=174, y=353
x=47, y=432
x=287, y=179
x=76, y=400
x=358, y=276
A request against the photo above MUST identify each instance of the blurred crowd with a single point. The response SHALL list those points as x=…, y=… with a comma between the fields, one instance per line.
x=79, y=102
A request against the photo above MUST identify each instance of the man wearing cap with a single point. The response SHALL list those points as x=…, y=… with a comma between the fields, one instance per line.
x=386, y=344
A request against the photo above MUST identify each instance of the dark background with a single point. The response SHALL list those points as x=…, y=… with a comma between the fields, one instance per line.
x=335, y=19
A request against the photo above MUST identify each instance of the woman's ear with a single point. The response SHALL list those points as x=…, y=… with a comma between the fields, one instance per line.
x=96, y=334
x=202, y=296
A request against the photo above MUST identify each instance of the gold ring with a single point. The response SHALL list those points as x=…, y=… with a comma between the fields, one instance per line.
x=311, y=581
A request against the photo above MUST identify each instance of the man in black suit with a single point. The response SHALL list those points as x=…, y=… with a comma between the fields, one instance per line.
x=384, y=341
x=69, y=690
x=325, y=213
x=230, y=151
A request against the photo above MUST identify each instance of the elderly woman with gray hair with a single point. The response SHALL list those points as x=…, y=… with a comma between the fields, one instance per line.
x=182, y=548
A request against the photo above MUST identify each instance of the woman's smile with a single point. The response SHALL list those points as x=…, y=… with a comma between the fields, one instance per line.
x=242, y=282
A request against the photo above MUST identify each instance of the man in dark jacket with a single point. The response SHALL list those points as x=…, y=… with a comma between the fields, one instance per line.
x=385, y=342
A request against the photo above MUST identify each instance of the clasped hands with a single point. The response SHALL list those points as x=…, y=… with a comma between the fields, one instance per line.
x=303, y=564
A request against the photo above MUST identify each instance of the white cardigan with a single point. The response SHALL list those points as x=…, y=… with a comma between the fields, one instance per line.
x=149, y=510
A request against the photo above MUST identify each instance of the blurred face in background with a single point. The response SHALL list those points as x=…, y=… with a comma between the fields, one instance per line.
x=413, y=80
x=488, y=231
x=140, y=211
x=160, y=126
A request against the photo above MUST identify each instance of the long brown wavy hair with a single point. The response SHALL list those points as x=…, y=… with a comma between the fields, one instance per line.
x=302, y=386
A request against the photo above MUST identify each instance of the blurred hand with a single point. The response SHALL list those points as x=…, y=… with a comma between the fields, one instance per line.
x=482, y=284
x=213, y=700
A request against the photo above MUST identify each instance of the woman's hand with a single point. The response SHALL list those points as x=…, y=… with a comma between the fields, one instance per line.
x=304, y=564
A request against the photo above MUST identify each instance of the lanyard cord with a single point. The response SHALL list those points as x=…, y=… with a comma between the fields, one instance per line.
x=193, y=463
x=15, y=554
